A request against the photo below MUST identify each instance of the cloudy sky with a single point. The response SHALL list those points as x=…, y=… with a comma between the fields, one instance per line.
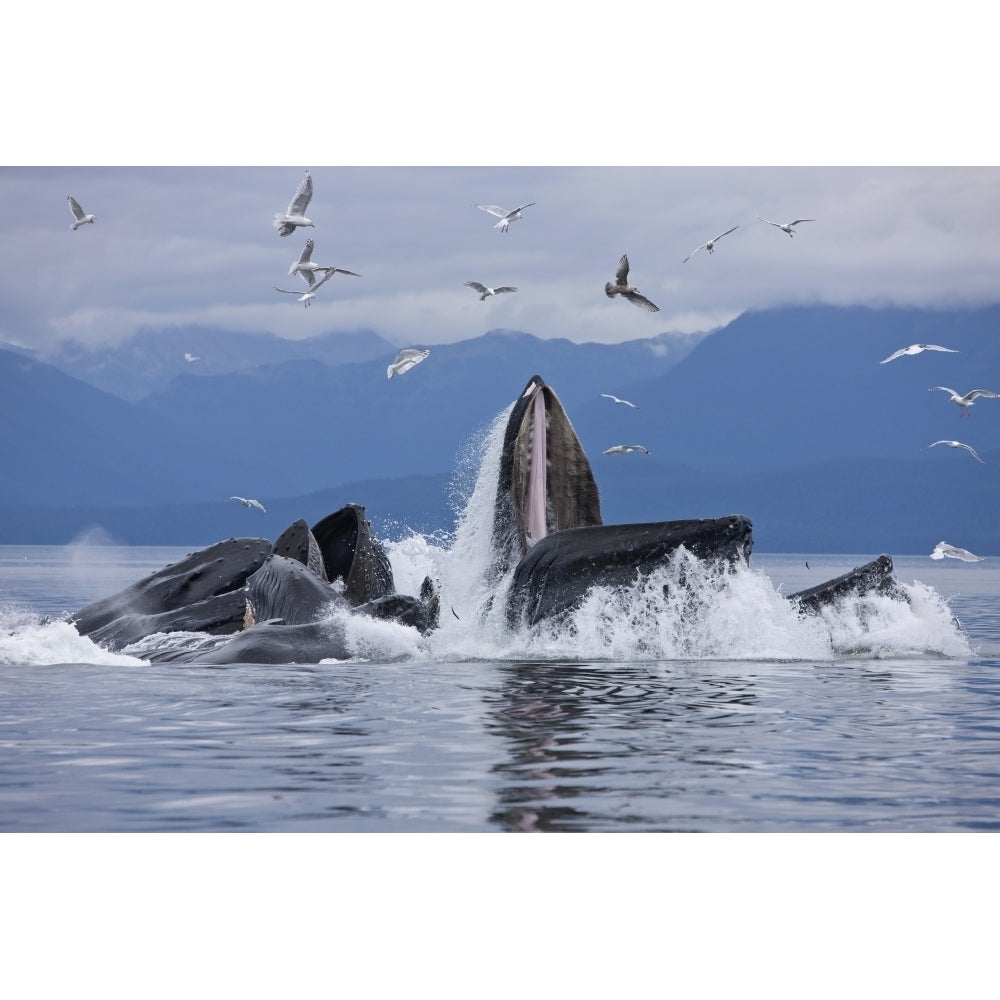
x=455, y=119
x=182, y=245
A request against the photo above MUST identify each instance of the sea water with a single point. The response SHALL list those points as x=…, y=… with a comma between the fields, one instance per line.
x=718, y=708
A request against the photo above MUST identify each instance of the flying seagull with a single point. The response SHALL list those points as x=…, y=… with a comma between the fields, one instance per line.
x=622, y=287
x=250, y=502
x=624, y=449
x=314, y=285
x=608, y=395
x=958, y=444
x=485, y=291
x=964, y=402
x=295, y=216
x=79, y=214
x=943, y=549
x=710, y=245
x=787, y=227
x=406, y=359
x=506, y=218
x=307, y=267
x=191, y=357
x=916, y=349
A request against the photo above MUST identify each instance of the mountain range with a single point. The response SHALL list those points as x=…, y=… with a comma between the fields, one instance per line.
x=786, y=416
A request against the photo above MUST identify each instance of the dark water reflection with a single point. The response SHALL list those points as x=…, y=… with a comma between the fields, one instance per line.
x=678, y=746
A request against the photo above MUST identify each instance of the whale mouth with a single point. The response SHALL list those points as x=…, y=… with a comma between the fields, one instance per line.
x=545, y=481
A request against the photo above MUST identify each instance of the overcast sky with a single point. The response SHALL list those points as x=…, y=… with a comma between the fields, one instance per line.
x=181, y=245
x=443, y=86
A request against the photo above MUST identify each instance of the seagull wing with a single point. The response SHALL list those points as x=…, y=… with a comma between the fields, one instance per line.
x=797, y=221
x=641, y=301
x=520, y=208
x=258, y=505
x=303, y=193
x=340, y=270
x=330, y=272
x=976, y=393
x=481, y=288
x=504, y=288
x=74, y=206
x=894, y=355
x=621, y=275
x=769, y=222
x=934, y=347
x=726, y=233
x=494, y=210
x=693, y=252
x=307, y=251
x=943, y=388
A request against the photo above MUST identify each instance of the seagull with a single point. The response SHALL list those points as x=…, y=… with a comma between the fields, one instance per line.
x=622, y=287
x=314, y=286
x=916, y=349
x=485, y=291
x=624, y=449
x=958, y=444
x=250, y=502
x=710, y=245
x=308, y=268
x=607, y=395
x=406, y=359
x=964, y=402
x=295, y=216
x=79, y=214
x=788, y=227
x=943, y=549
x=506, y=218
x=191, y=357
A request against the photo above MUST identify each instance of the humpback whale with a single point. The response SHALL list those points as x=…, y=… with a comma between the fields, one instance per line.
x=250, y=601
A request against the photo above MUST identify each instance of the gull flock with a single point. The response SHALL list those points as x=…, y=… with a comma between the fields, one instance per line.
x=315, y=276
x=964, y=404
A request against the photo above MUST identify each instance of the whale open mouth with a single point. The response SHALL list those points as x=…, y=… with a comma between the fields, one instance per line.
x=545, y=482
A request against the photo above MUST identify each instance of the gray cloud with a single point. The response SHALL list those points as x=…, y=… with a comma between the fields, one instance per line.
x=179, y=245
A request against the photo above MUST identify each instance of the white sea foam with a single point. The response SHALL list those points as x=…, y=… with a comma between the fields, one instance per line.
x=28, y=639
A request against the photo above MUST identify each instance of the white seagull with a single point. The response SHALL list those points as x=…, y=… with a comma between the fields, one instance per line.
x=485, y=291
x=295, y=216
x=406, y=359
x=624, y=449
x=615, y=399
x=250, y=502
x=191, y=357
x=943, y=549
x=787, y=227
x=964, y=402
x=622, y=287
x=916, y=349
x=79, y=214
x=314, y=285
x=506, y=218
x=307, y=267
x=958, y=444
x=710, y=245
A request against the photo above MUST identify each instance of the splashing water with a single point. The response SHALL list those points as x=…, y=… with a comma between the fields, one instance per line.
x=684, y=609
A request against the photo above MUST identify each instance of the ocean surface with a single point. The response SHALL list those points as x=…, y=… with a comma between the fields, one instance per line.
x=883, y=716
